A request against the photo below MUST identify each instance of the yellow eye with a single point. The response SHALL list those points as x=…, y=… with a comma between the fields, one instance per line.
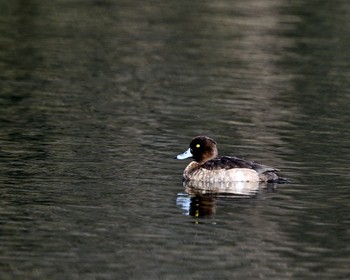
x=197, y=146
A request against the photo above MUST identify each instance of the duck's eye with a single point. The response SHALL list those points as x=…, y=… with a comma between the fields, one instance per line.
x=198, y=145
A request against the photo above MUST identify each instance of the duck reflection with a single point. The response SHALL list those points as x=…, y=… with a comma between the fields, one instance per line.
x=201, y=197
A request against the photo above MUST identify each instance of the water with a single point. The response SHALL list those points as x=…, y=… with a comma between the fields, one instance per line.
x=96, y=99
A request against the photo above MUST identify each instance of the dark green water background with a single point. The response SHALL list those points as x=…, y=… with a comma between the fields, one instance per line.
x=96, y=98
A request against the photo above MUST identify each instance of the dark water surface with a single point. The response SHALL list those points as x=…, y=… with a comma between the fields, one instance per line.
x=97, y=97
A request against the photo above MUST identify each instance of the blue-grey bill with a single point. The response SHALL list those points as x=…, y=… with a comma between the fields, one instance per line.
x=184, y=155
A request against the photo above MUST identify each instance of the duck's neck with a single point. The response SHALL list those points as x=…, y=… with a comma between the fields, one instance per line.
x=215, y=153
x=208, y=155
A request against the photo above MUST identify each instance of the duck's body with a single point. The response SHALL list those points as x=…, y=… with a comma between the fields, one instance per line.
x=209, y=167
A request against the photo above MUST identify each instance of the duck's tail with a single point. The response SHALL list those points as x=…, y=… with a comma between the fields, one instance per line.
x=272, y=177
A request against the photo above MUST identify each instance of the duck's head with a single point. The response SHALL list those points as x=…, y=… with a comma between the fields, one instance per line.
x=202, y=149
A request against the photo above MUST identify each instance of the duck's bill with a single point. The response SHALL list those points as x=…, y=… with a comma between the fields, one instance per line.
x=184, y=155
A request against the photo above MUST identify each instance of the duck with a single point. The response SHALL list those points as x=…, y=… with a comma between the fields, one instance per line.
x=208, y=166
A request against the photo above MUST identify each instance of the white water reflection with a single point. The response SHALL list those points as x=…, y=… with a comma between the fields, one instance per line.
x=200, y=198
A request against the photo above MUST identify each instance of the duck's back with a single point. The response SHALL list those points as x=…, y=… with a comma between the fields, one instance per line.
x=235, y=162
x=265, y=173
